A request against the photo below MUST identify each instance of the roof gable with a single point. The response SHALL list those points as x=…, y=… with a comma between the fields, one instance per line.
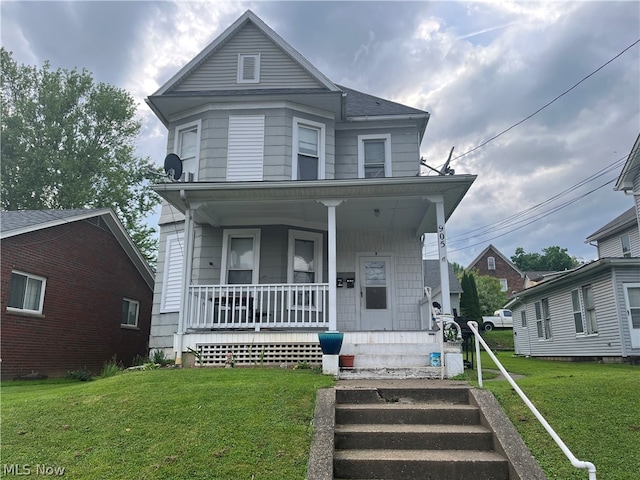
x=20, y=222
x=495, y=252
x=631, y=169
x=215, y=67
x=625, y=221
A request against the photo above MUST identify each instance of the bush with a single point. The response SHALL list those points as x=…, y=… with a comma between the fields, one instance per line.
x=83, y=374
x=110, y=368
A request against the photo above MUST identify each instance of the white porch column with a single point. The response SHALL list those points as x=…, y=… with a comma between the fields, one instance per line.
x=333, y=271
x=442, y=256
x=187, y=266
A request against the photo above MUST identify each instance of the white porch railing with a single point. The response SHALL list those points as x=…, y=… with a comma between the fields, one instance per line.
x=590, y=467
x=282, y=305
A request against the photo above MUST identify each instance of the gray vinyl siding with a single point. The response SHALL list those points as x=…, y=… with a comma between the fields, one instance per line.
x=405, y=154
x=612, y=246
x=408, y=286
x=219, y=71
x=613, y=327
x=277, y=142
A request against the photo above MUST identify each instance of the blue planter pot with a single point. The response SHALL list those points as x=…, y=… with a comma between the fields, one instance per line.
x=331, y=342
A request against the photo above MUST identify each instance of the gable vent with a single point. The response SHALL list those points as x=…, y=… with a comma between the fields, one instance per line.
x=249, y=68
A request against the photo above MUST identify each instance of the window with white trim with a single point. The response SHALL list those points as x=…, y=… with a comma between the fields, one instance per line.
x=187, y=147
x=577, y=311
x=305, y=263
x=240, y=257
x=374, y=156
x=589, y=310
x=248, y=68
x=539, y=324
x=626, y=245
x=308, y=152
x=130, y=309
x=26, y=293
x=504, y=284
x=172, y=276
x=491, y=263
x=523, y=318
x=547, y=318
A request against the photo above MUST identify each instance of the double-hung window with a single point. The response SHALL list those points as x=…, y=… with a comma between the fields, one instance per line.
x=523, y=318
x=547, y=318
x=590, y=310
x=241, y=257
x=308, y=161
x=374, y=156
x=130, y=309
x=187, y=147
x=539, y=324
x=305, y=264
x=626, y=245
x=577, y=311
x=491, y=263
x=26, y=293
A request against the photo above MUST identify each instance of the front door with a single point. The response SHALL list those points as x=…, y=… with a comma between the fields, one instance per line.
x=375, y=293
x=632, y=301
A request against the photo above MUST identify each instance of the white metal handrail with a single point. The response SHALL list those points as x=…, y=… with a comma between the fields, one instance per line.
x=590, y=467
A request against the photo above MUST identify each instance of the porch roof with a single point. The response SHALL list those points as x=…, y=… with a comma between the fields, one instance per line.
x=400, y=202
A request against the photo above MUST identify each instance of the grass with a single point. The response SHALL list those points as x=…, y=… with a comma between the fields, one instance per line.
x=499, y=339
x=166, y=423
x=593, y=407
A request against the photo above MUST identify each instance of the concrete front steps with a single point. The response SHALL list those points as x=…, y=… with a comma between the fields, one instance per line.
x=409, y=433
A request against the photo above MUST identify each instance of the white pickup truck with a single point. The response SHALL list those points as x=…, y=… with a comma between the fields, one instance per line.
x=502, y=318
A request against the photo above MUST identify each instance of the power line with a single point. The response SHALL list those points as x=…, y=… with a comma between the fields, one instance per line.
x=547, y=104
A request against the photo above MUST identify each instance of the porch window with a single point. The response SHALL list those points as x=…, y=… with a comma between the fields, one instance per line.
x=187, y=147
x=374, y=156
x=577, y=311
x=308, y=150
x=626, y=245
x=26, y=292
x=590, y=309
x=241, y=257
x=305, y=262
x=130, y=309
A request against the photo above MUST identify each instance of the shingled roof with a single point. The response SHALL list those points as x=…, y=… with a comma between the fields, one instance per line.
x=364, y=105
x=18, y=220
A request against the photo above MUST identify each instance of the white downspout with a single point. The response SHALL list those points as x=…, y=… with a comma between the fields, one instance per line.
x=186, y=278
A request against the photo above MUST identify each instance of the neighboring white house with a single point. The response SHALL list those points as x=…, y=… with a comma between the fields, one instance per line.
x=593, y=311
x=301, y=209
x=432, y=280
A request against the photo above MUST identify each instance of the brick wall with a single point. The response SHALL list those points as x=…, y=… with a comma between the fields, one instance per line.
x=88, y=274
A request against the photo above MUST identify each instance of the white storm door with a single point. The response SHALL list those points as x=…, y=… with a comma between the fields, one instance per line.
x=375, y=293
x=632, y=304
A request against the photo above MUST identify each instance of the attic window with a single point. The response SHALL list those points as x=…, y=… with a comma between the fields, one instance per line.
x=249, y=68
x=491, y=263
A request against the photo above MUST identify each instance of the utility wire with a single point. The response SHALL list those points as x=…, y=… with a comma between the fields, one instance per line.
x=546, y=105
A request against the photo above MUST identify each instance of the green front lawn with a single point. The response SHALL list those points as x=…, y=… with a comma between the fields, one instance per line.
x=594, y=408
x=169, y=423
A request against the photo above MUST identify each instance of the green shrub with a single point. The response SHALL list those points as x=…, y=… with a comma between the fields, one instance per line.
x=83, y=374
x=111, y=368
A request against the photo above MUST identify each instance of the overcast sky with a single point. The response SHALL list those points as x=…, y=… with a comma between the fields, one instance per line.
x=477, y=67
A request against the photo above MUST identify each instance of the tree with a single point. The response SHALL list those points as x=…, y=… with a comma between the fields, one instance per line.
x=469, y=301
x=552, y=259
x=68, y=142
x=490, y=294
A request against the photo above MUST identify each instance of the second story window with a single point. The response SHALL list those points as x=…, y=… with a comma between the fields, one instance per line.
x=491, y=263
x=374, y=156
x=626, y=245
x=308, y=150
x=187, y=147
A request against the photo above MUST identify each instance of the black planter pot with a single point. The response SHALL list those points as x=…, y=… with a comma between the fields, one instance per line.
x=331, y=342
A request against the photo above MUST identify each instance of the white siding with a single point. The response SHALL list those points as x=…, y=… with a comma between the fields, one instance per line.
x=245, y=157
x=220, y=70
x=612, y=246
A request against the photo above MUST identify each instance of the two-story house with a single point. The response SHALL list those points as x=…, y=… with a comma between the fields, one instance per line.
x=593, y=311
x=492, y=263
x=301, y=209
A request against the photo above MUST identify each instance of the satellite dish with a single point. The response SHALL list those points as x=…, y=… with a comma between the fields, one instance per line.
x=173, y=167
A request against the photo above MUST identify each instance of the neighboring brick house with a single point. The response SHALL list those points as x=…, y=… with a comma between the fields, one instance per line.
x=493, y=263
x=75, y=292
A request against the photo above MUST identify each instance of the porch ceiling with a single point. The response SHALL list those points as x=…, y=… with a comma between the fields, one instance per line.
x=406, y=202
